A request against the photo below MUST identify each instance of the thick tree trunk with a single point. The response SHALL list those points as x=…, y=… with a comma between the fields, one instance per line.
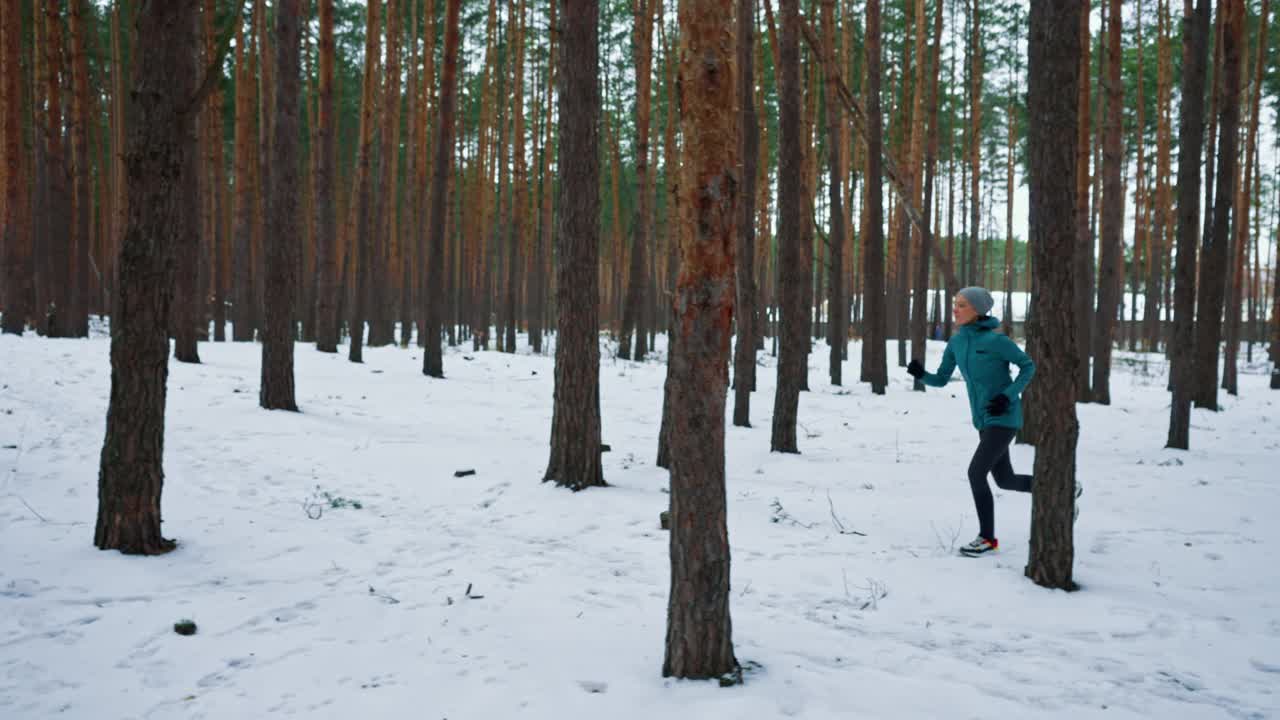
x=1110, y=267
x=161, y=114
x=433, y=358
x=15, y=223
x=575, y=424
x=793, y=350
x=744, y=358
x=187, y=310
x=1195, y=50
x=1214, y=253
x=277, y=392
x=1053, y=80
x=699, y=631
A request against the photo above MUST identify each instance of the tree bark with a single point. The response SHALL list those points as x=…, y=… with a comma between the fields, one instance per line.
x=161, y=114
x=363, y=247
x=15, y=223
x=1110, y=266
x=538, y=278
x=1195, y=50
x=277, y=391
x=1053, y=80
x=1240, y=247
x=575, y=424
x=55, y=313
x=327, y=281
x=699, y=630
x=1215, y=249
x=433, y=358
x=1083, y=258
x=243, y=304
x=633, y=309
x=82, y=188
x=793, y=350
x=837, y=315
x=744, y=360
x=1156, y=252
x=873, y=243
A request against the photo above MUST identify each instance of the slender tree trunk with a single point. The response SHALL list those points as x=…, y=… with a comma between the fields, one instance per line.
x=432, y=358
x=1240, y=247
x=1110, y=270
x=1053, y=80
x=632, y=312
x=1195, y=50
x=57, y=312
x=327, y=283
x=277, y=392
x=975, y=141
x=793, y=351
x=542, y=248
x=243, y=305
x=15, y=222
x=837, y=316
x=920, y=304
x=575, y=425
x=1215, y=251
x=82, y=195
x=1160, y=214
x=519, y=187
x=161, y=114
x=1084, y=254
x=744, y=361
x=363, y=247
x=699, y=631
x=873, y=283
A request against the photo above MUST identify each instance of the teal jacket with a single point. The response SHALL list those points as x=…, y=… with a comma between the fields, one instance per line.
x=983, y=356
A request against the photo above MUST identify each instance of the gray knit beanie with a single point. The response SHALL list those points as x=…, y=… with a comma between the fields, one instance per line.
x=979, y=298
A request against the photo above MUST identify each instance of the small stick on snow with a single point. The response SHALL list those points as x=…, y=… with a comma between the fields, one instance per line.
x=836, y=520
x=463, y=473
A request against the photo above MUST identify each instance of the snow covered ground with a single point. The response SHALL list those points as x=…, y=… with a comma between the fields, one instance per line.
x=312, y=610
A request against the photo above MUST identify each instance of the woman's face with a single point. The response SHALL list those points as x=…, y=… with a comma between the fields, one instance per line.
x=962, y=311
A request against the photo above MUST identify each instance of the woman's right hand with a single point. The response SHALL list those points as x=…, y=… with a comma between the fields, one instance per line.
x=915, y=369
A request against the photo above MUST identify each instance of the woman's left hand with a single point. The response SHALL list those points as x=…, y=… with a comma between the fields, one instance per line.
x=999, y=404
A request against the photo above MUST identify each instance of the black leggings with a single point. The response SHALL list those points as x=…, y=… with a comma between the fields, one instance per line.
x=992, y=456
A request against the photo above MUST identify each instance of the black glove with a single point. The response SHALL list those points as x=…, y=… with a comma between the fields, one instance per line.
x=915, y=369
x=999, y=405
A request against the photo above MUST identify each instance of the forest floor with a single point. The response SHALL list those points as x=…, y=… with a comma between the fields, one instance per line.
x=337, y=568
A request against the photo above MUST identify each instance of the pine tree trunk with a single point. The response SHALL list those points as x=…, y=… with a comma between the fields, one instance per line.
x=243, y=320
x=632, y=312
x=1215, y=251
x=1084, y=243
x=873, y=243
x=15, y=223
x=1156, y=252
x=837, y=317
x=186, y=310
x=542, y=248
x=925, y=177
x=1195, y=50
x=82, y=178
x=1240, y=247
x=1053, y=80
x=575, y=425
x=55, y=313
x=793, y=350
x=282, y=251
x=1110, y=267
x=327, y=282
x=699, y=631
x=744, y=360
x=131, y=473
x=432, y=358
x=363, y=247
x=975, y=141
